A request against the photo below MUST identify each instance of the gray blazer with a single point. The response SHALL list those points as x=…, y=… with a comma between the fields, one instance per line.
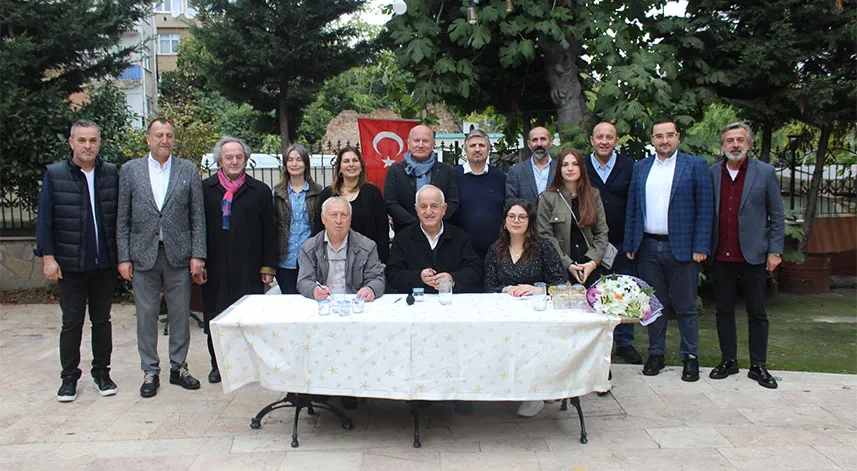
x=139, y=223
x=761, y=221
x=521, y=182
x=362, y=265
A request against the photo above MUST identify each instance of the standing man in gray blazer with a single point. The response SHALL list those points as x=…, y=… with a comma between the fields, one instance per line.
x=747, y=239
x=528, y=179
x=160, y=237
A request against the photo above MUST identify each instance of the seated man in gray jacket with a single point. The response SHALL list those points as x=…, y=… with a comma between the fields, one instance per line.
x=339, y=259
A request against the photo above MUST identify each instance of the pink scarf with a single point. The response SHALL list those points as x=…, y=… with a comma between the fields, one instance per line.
x=231, y=188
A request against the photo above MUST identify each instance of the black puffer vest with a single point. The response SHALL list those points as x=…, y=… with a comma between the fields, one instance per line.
x=71, y=211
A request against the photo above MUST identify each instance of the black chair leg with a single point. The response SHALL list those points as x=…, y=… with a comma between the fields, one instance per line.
x=417, y=443
x=575, y=401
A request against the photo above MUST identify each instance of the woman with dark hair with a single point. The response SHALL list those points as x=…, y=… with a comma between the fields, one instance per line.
x=295, y=207
x=519, y=257
x=571, y=216
x=368, y=208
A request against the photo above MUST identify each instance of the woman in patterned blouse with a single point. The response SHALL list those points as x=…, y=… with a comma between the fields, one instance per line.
x=519, y=258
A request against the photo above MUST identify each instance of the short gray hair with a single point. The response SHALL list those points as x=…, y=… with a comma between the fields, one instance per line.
x=334, y=199
x=476, y=132
x=737, y=125
x=218, y=148
x=84, y=123
x=429, y=186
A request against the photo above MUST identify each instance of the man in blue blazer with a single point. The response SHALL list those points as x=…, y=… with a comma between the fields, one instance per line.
x=747, y=239
x=610, y=173
x=668, y=232
x=528, y=179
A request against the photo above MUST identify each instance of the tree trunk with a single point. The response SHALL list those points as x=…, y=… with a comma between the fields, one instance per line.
x=567, y=94
x=283, y=110
x=814, y=187
x=765, y=151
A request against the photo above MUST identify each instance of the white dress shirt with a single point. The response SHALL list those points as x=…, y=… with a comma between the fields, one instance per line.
x=467, y=169
x=658, y=187
x=90, y=183
x=336, y=259
x=159, y=177
x=432, y=242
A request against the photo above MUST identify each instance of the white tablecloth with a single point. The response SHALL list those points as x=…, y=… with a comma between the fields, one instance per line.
x=481, y=347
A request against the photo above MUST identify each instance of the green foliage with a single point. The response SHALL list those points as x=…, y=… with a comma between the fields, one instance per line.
x=49, y=51
x=273, y=55
x=108, y=108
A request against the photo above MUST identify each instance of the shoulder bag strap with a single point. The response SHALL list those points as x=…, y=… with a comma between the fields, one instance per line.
x=574, y=217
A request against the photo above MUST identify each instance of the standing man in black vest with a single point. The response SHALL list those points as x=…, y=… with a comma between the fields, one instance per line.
x=76, y=238
x=610, y=172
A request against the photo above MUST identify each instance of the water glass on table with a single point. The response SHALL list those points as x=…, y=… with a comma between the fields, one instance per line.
x=539, y=297
x=445, y=291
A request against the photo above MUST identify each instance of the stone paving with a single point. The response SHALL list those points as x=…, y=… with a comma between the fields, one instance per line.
x=646, y=423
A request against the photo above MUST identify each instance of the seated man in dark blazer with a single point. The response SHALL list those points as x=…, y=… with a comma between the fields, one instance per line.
x=423, y=254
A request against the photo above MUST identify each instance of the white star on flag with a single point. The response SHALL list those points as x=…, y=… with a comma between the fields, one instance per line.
x=388, y=161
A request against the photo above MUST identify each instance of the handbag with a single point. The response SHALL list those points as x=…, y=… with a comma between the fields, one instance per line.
x=610, y=252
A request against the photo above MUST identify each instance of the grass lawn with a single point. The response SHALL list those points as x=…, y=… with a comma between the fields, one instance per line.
x=806, y=333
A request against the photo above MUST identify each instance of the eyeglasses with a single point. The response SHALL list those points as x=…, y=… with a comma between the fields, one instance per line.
x=661, y=137
x=517, y=217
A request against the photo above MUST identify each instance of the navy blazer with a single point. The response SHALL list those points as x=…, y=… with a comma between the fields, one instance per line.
x=761, y=221
x=521, y=182
x=400, y=193
x=691, y=208
x=614, y=195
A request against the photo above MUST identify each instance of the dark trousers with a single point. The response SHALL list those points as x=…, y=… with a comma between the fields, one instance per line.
x=287, y=279
x=675, y=283
x=77, y=289
x=752, y=277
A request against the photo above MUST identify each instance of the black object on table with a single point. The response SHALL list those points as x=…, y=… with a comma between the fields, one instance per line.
x=301, y=401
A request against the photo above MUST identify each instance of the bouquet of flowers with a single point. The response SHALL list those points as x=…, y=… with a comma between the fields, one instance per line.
x=627, y=296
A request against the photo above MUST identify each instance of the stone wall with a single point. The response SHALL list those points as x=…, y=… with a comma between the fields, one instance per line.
x=19, y=268
x=343, y=128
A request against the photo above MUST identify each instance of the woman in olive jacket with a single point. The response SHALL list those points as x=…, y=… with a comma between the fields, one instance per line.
x=295, y=202
x=581, y=238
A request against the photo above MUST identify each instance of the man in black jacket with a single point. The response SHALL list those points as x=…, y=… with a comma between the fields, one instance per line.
x=425, y=253
x=610, y=173
x=76, y=238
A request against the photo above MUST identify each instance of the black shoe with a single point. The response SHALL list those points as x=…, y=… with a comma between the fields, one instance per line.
x=761, y=375
x=724, y=369
x=349, y=402
x=104, y=385
x=214, y=376
x=151, y=383
x=462, y=407
x=183, y=378
x=629, y=354
x=690, y=372
x=653, y=365
x=67, y=391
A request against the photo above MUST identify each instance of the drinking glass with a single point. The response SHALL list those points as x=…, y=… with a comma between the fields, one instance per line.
x=445, y=291
x=539, y=298
x=323, y=307
x=418, y=294
x=357, y=305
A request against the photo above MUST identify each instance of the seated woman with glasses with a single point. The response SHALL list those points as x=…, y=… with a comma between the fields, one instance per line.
x=571, y=216
x=519, y=257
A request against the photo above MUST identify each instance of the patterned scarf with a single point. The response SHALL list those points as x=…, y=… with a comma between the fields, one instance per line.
x=231, y=188
x=420, y=170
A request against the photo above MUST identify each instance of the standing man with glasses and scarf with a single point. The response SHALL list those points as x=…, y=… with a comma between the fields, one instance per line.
x=420, y=167
x=241, y=235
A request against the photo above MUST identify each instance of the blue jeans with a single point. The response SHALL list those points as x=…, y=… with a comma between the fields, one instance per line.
x=675, y=284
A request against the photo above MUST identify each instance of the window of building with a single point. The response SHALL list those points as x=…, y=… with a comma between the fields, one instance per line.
x=168, y=44
x=147, y=62
x=168, y=6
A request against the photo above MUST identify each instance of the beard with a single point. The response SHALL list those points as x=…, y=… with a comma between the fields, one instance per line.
x=736, y=158
x=540, y=152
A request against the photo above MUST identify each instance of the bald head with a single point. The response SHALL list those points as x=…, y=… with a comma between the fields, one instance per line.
x=421, y=142
x=603, y=140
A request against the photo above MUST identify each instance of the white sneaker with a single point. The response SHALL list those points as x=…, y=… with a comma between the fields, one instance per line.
x=530, y=408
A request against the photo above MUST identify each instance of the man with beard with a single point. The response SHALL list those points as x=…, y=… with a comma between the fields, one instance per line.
x=747, y=240
x=482, y=193
x=528, y=179
x=421, y=167
x=668, y=232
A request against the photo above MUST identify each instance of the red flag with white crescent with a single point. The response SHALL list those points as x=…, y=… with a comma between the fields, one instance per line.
x=383, y=142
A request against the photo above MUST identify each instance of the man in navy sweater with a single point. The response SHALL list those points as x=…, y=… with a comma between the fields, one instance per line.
x=610, y=172
x=481, y=193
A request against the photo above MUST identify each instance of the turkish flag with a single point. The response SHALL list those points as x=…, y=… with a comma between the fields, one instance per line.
x=383, y=143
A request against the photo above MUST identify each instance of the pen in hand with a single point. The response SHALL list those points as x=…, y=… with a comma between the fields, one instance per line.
x=323, y=288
